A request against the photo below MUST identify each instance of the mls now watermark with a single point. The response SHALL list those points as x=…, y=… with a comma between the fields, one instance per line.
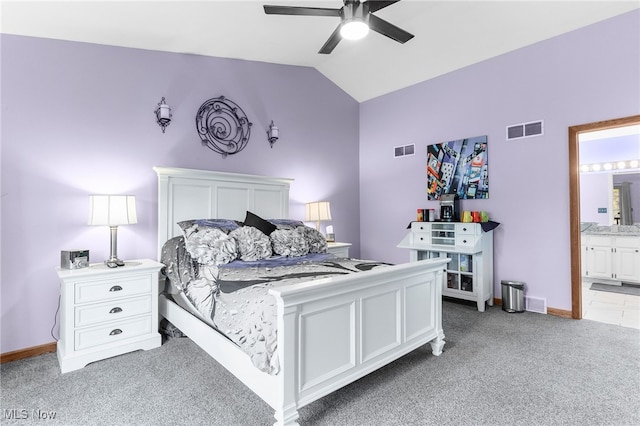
x=26, y=414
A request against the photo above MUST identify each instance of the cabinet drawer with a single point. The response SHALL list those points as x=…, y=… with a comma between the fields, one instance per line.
x=467, y=229
x=421, y=237
x=90, y=337
x=112, y=289
x=465, y=240
x=628, y=242
x=114, y=310
x=600, y=241
x=420, y=226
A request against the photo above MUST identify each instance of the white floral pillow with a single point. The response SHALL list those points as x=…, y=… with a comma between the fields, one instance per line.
x=316, y=241
x=211, y=246
x=289, y=242
x=252, y=243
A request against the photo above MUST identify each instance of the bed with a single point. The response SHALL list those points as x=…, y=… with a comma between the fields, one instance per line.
x=330, y=331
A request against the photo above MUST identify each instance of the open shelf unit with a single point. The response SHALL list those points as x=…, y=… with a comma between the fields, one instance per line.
x=470, y=271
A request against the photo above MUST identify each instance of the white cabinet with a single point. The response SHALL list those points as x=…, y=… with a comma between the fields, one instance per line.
x=106, y=312
x=470, y=271
x=614, y=259
x=339, y=249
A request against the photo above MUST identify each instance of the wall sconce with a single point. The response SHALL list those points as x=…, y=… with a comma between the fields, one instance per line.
x=272, y=134
x=163, y=114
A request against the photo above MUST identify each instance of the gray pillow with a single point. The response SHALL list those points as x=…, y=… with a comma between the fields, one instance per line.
x=315, y=240
x=211, y=246
x=193, y=225
x=252, y=243
x=289, y=242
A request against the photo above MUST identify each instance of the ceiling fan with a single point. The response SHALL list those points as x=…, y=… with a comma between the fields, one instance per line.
x=356, y=18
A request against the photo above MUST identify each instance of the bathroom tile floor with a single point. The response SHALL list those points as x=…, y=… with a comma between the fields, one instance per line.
x=612, y=308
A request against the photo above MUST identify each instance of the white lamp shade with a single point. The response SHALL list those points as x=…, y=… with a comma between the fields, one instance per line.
x=318, y=210
x=112, y=210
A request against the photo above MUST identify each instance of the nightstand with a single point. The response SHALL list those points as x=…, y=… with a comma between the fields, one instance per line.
x=106, y=312
x=339, y=249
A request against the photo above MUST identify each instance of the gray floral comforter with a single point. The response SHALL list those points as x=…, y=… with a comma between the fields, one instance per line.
x=235, y=295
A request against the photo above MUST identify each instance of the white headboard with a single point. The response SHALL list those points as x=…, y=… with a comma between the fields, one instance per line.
x=185, y=194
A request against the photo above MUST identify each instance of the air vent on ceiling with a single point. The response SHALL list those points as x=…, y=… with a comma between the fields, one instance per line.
x=525, y=130
x=401, y=151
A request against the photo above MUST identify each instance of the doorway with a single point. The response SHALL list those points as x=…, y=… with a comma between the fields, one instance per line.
x=574, y=202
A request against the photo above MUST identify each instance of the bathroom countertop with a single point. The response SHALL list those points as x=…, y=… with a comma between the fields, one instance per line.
x=614, y=230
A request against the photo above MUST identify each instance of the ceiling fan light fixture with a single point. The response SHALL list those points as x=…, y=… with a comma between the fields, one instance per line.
x=354, y=30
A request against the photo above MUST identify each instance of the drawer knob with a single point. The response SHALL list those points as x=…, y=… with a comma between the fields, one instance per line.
x=115, y=310
x=464, y=241
x=115, y=288
x=115, y=332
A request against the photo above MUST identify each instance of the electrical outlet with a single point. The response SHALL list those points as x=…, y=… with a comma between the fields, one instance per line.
x=602, y=209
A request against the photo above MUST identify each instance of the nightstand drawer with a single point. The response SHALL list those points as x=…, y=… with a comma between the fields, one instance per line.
x=339, y=249
x=114, y=332
x=111, y=289
x=115, y=310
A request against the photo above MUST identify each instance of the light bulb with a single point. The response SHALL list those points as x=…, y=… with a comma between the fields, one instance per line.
x=354, y=30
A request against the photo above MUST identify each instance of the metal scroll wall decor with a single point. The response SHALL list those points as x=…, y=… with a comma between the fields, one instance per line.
x=223, y=126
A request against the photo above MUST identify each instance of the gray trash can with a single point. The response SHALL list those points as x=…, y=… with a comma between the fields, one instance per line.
x=512, y=296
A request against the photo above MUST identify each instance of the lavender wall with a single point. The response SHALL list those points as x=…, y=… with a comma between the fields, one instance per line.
x=596, y=191
x=78, y=119
x=584, y=76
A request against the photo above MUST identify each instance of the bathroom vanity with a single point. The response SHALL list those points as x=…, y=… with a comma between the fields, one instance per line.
x=611, y=254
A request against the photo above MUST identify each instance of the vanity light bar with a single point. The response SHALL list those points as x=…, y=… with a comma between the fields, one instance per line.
x=612, y=165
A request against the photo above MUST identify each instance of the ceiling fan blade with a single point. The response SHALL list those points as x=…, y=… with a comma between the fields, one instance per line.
x=377, y=5
x=332, y=42
x=295, y=10
x=385, y=28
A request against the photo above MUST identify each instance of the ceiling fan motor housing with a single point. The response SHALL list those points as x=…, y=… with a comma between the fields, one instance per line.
x=354, y=11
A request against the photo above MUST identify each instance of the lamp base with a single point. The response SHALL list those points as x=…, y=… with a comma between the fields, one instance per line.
x=114, y=263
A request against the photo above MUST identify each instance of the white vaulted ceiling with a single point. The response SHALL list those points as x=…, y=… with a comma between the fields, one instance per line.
x=448, y=34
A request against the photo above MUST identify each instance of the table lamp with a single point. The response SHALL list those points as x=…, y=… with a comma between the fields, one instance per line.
x=112, y=211
x=318, y=211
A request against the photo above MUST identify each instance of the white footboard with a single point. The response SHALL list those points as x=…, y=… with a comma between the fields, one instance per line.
x=333, y=331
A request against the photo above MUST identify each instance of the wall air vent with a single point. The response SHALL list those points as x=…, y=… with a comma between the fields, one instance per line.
x=535, y=304
x=525, y=130
x=401, y=151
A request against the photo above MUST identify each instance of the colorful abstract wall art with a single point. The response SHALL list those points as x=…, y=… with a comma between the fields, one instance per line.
x=458, y=167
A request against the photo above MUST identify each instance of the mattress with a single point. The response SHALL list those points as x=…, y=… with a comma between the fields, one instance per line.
x=234, y=298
